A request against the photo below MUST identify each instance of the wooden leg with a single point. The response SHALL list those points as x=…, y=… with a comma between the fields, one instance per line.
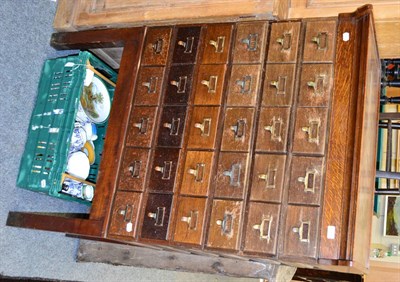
x=76, y=224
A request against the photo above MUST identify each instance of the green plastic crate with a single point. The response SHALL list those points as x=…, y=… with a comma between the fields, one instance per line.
x=46, y=151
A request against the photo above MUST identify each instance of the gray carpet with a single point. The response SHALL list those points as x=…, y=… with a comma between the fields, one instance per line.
x=25, y=28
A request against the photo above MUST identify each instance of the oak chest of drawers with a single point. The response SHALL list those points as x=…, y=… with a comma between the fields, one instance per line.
x=252, y=139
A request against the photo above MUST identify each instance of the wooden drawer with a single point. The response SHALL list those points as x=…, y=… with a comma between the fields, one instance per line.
x=273, y=129
x=279, y=85
x=225, y=225
x=156, y=216
x=149, y=86
x=156, y=46
x=301, y=231
x=179, y=85
x=306, y=180
x=268, y=178
x=238, y=129
x=172, y=125
x=262, y=228
x=186, y=45
x=124, y=214
x=197, y=173
x=141, y=126
x=319, y=43
x=203, y=128
x=189, y=224
x=284, y=41
x=310, y=130
x=163, y=170
x=250, y=42
x=133, y=172
x=244, y=85
x=315, y=85
x=217, y=44
x=210, y=85
x=231, y=178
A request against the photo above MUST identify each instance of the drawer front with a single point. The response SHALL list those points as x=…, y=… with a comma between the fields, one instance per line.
x=203, y=128
x=124, y=214
x=315, y=85
x=301, y=231
x=156, y=46
x=250, y=42
x=310, y=130
x=149, y=86
x=238, y=128
x=231, y=179
x=186, y=45
x=197, y=173
x=224, y=225
x=268, y=178
x=273, y=129
x=216, y=44
x=262, y=228
x=163, y=170
x=190, y=220
x=284, y=42
x=210, y=85
x=306, y=180
x=156, y=216
x=179, y=84
x=244, y=85
x=172, y=125
x=141, y=126
x=279, y=85
x=132, y=174
x=319, y=44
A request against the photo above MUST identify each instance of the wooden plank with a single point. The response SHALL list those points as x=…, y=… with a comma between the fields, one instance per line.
x=64, y=18
x=90, y=251
x=87, y=14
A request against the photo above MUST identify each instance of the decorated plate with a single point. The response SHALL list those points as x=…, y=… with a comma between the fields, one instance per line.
x=95, y=101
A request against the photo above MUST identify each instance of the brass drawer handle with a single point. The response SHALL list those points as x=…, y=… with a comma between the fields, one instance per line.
x=313, y=130
x=166, y=170
x=251, y=41
x=239, y=129
x=151, y=85
x=275, y=128
x=234, y=174
x=198, y=172
x=191, y=220
x=304, y=231
x=245, y=84
x=157, y=46
x=127, y=214
x=265, y=225
x=269, y=178
x=321, y=40
x=218, y=44
x=226, y=224
x=280, y=85
x=309, y=180
x=211, y=83
x=158, y=216
x=285, y=41
x=173, y=126
x=180, y=84
x=205, y=126
x=134, y=169
x=188, y=44
x=142, y=125
x=317, y=85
